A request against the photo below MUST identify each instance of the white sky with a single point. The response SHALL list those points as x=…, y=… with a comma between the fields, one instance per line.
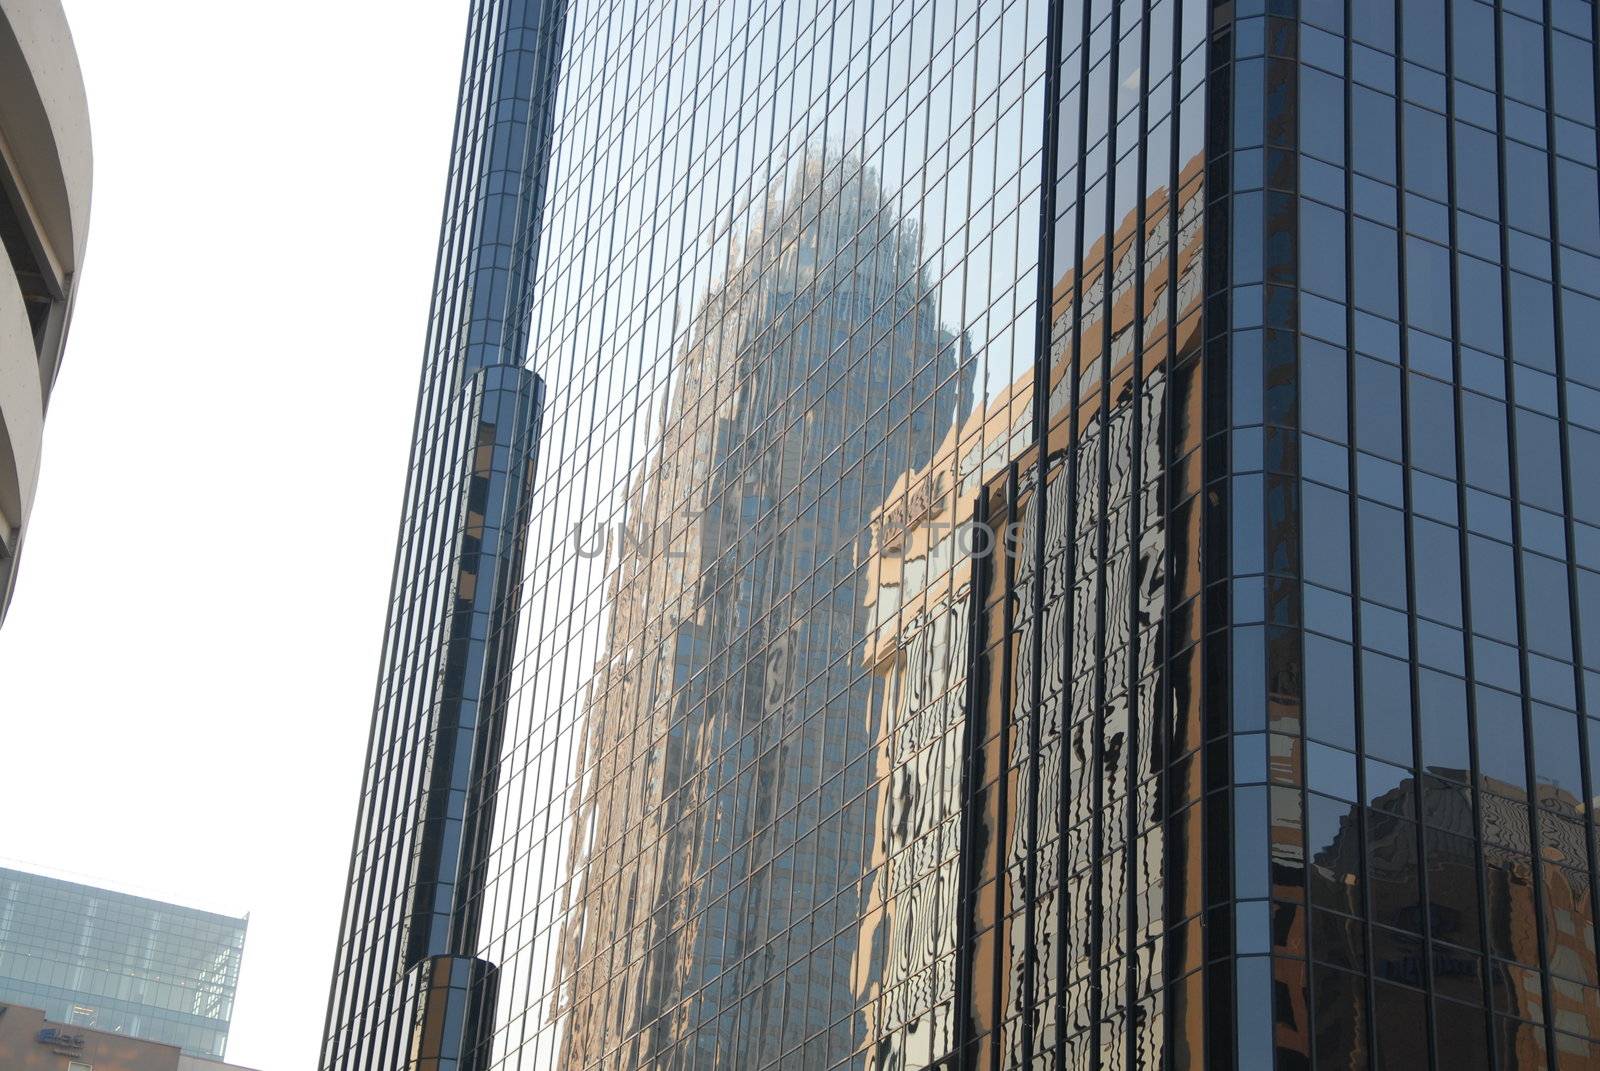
x=187, y=669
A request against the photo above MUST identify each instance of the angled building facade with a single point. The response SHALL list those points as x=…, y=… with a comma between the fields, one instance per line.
x=45, y=170
x=1062, y=535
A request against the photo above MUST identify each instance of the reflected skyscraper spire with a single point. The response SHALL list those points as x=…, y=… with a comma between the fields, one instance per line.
x=723, y=697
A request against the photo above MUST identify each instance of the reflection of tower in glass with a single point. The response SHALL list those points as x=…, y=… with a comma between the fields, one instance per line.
x=930, y=575
x=1408, y=841
x=729, y=691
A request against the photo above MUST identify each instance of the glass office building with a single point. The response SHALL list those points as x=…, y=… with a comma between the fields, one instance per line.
x=119, y=963
x=1017, y=534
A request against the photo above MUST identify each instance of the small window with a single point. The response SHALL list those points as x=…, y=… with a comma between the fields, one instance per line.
x=79, y=1065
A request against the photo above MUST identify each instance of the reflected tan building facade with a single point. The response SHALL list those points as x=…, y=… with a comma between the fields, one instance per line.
x=953, y=561
x=901, y=732
x=45, y=171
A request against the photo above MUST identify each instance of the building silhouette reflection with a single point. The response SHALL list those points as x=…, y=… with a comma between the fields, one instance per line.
x=966, y=914
x=718, y=857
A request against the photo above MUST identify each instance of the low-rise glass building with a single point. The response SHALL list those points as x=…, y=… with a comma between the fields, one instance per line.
x=118, y=963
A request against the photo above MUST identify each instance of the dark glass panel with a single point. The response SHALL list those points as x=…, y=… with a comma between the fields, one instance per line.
x=1527, y=174
x=1323, y=371
x=1340, y=1038
x=1481, y=323
x=1330, y=691
x=1399, y=956
x=1392, y=872
x=1386, y=707
x=1477, y=185
x=1494, y=589
x=1288, y=843
x=1339, y=940
x=1289, y=929
x=1249, y=679
x=1253, y=1001
x=1573, y=83
x=1422, y=26
x=1522, y=42
x=1452, y=887
x=1433, y=425
x=1557, y=759
x=1322, y=126
x=1377, y=407
x=1401, y=1017
x=1291, y=1013
x=1390, y=788
x=1332, y=771
x=1442, y=705
x=1383, y=554
x=1500, y=741
x=1321, y=242
x=1539, y=460
x=1425, y=153
x=1458, y=974
x=1579, y=211
x=1547, y=611
x=1473, y=26
x=1583, y=450
x=1428, y=286
x=1325, y=547
x=1589, y=616
x=1437, y=557
x=1462, y=1033
x=1372, y=135
x=1519, y=1045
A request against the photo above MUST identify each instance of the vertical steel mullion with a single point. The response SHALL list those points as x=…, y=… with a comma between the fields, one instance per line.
x=1041, y=507
x=1463, y=544
x=1003, y=745
x=1574, y=606
x=1169, y=418
x=1419, y=789
x=1520, y=593
x=1216, y=792
x=1074, y=332
x=1364, y=824
x=973, y=728
x=1135, y=527
x=1102, y=525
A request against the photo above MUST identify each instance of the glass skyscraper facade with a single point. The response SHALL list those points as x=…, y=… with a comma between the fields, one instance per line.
x=1002, y=535
x=119, y=963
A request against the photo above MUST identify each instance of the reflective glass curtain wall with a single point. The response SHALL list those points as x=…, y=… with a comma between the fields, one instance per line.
x=411, y=987
x=968, y=618
x=1401, y=453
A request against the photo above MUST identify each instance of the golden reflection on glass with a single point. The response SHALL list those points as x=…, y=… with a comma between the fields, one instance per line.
x=731, y=688
x=1096, y=855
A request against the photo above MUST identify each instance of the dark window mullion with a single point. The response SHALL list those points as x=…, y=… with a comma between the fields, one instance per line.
x=1520, y=588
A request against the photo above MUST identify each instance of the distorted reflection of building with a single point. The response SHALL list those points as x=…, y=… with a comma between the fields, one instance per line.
x=1420, y=876
x=957, y=540
x=919, y=594
x=727, y=690
x=1081, y=889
